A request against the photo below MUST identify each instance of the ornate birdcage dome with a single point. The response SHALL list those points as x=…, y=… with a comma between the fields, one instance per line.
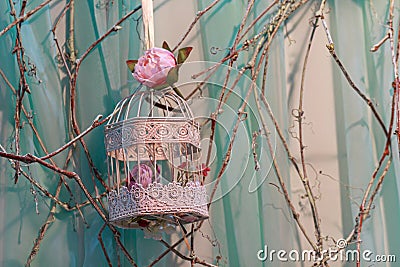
x=154, y=162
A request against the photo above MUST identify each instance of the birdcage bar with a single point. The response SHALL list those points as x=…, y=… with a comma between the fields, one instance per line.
x=109, y=166
x=119, y=109
x=126, y=164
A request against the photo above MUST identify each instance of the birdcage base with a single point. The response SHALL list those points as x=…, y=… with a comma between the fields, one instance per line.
x=138, y=206
x=143, y=221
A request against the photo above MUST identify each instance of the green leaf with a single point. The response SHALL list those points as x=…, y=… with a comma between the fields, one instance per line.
x=131, y=64
x=172, y=76
x=183, y=54
x=166, y=46
x=177, y=91
x=162, y=86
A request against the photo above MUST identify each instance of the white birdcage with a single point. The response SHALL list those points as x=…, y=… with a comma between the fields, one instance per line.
x=154, y=168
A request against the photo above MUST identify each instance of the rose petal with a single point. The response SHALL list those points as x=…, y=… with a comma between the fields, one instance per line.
x=153, y=67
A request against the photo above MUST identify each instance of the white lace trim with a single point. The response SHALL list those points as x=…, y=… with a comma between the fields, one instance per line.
x=158, y=199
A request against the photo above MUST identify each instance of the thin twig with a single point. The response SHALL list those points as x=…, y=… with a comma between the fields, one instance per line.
x=96, y=123
x=299, y=117
x=282, y=187
x=279, y=18
x=289, y=202
x=73, y=84
x=114, y=28
x=103, y=248
x=380, y=43
x=203, y=262
x=180, y=255
x=37, y=135
x=358, y=91
x=364, y=207
x=21, y=88
x=196, y=19
x=43, y=229
x=331, y=49
x=261, y=15
x=53, y=30
x=24, y=18
x=29, y=158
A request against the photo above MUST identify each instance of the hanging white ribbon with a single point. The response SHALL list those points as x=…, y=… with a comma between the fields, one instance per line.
x=148, y=23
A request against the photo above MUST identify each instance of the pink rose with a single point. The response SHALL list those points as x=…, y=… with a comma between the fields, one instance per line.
x=152, y=68
x=140, y=174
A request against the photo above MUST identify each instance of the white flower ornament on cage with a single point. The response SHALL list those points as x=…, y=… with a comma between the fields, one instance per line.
x=153, y=151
